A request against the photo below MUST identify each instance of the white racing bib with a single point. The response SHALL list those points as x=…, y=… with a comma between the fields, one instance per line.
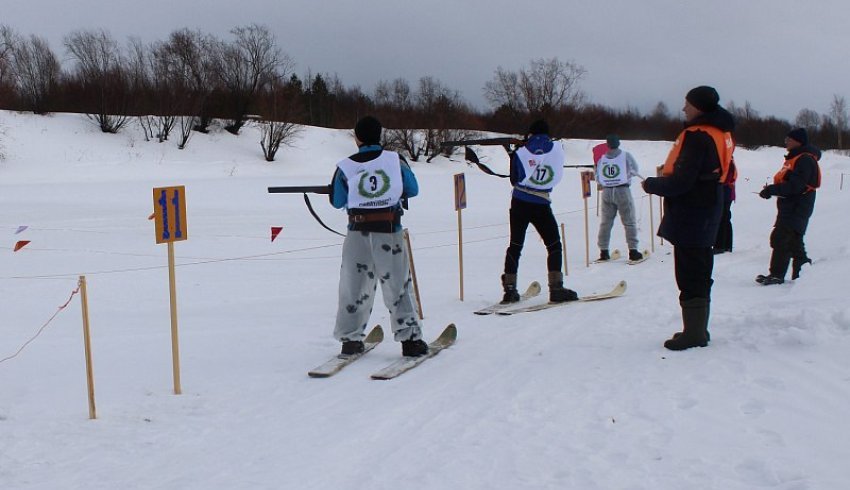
x=544, y=171
x=374, y=184
x=611, y=172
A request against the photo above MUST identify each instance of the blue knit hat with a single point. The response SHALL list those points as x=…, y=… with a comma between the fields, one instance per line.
x=613, y=141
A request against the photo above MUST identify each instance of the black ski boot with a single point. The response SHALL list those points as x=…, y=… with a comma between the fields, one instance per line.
x=413, y=348
x=509, y=285
x=635, y=255
x=769, y=280
x=604, y=255
x=557, y=292
x=351, y=347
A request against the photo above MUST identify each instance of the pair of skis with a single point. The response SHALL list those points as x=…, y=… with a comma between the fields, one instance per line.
x=534, y=289
x=615, y=254
x=397, y=368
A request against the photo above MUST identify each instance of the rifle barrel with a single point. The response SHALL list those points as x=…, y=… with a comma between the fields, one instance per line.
x=300, y=189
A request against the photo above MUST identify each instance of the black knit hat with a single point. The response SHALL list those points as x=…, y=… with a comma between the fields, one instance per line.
x=368, y=131
x=704, y=98
x=799, y=135
x=613, y=141
x=539, y=127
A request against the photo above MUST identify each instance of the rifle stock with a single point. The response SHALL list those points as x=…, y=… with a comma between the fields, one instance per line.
x=301, y=189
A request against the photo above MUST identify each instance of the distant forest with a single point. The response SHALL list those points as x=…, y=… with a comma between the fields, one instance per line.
x=182, y=84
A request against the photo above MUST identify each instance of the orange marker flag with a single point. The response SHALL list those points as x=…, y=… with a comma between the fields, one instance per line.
x=276, y=231
x=21, y=244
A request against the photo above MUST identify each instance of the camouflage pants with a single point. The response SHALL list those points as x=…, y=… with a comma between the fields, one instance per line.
x=367, y=259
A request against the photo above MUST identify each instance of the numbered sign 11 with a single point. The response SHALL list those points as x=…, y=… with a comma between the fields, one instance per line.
x=169, y=204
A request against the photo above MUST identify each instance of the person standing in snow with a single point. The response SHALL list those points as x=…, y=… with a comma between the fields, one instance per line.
x=371, y=185
x=614, y=172
x=795, y=186
x=693, y=201
x=536, y=168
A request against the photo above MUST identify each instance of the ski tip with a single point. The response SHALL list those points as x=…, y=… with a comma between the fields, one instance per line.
x=376, y=335
x=449, y=333
x=318, y=375
x=621, y=286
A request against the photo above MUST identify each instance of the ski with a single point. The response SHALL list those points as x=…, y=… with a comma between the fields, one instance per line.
x=645, y=256
x=530, y=292
x=618, y=290
x=615, y=254
x=401, y=366
x=336, y=363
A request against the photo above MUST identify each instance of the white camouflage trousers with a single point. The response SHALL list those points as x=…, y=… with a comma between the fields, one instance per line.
x=367, y=258
x=616, y=199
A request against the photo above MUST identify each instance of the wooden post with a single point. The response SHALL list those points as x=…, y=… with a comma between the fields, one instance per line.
x=598, y=194
x=460, y=204
x=564, y=245
x=84, y=300
x=586, y=237
x=651, y=225
x=661, y=214
x=460, y=249
x=413, y=273
x=175, y=345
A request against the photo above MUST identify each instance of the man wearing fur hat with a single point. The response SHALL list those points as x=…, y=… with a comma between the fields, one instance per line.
x=371, y=184
x=693, y=201
x=795, y=186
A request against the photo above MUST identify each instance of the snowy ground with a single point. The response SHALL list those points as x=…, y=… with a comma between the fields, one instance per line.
x=580, y=397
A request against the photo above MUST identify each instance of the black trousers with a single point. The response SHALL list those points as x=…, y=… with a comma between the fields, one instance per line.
x=540, y=216
x=694, y=266
x=786, y=244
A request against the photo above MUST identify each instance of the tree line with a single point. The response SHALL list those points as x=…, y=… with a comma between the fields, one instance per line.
x=180, y=85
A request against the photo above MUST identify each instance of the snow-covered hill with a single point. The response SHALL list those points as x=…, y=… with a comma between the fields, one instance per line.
x=578, y=397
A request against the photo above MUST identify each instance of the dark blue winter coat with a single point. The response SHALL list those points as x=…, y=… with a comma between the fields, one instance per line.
x=795, y=202
x=693, y=200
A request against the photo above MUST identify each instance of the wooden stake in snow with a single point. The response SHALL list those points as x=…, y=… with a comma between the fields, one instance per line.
x=170, y=217
x=460, y=204
x=586, y=177
x=84, y=300
x=413, y=273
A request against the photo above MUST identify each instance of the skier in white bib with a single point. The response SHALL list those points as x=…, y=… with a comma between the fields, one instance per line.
x=614, y=172
x=536, y=168
x=371, y=185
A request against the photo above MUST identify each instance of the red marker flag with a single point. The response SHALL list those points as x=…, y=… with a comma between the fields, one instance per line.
x=21, y=244
x=276, y=231
x=598, y=151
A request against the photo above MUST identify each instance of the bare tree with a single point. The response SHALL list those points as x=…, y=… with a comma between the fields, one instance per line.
x=277, y=127
x=808, y=119
x=194, y=55
x=247, y=66
x=36, y=70
x=7, y=37
x=99, y=68
x=838, y=113
x=544, y=88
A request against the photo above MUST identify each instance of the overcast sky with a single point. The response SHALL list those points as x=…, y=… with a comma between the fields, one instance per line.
x=779, y=55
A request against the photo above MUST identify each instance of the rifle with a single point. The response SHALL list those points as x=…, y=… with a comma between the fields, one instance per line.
x=483, y=142
x=301, y=189
x=305, y=189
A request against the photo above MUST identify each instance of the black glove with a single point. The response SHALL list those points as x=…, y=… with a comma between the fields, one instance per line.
x=765, y=193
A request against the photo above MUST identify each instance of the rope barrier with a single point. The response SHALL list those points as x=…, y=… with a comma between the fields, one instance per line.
x=43, y=327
